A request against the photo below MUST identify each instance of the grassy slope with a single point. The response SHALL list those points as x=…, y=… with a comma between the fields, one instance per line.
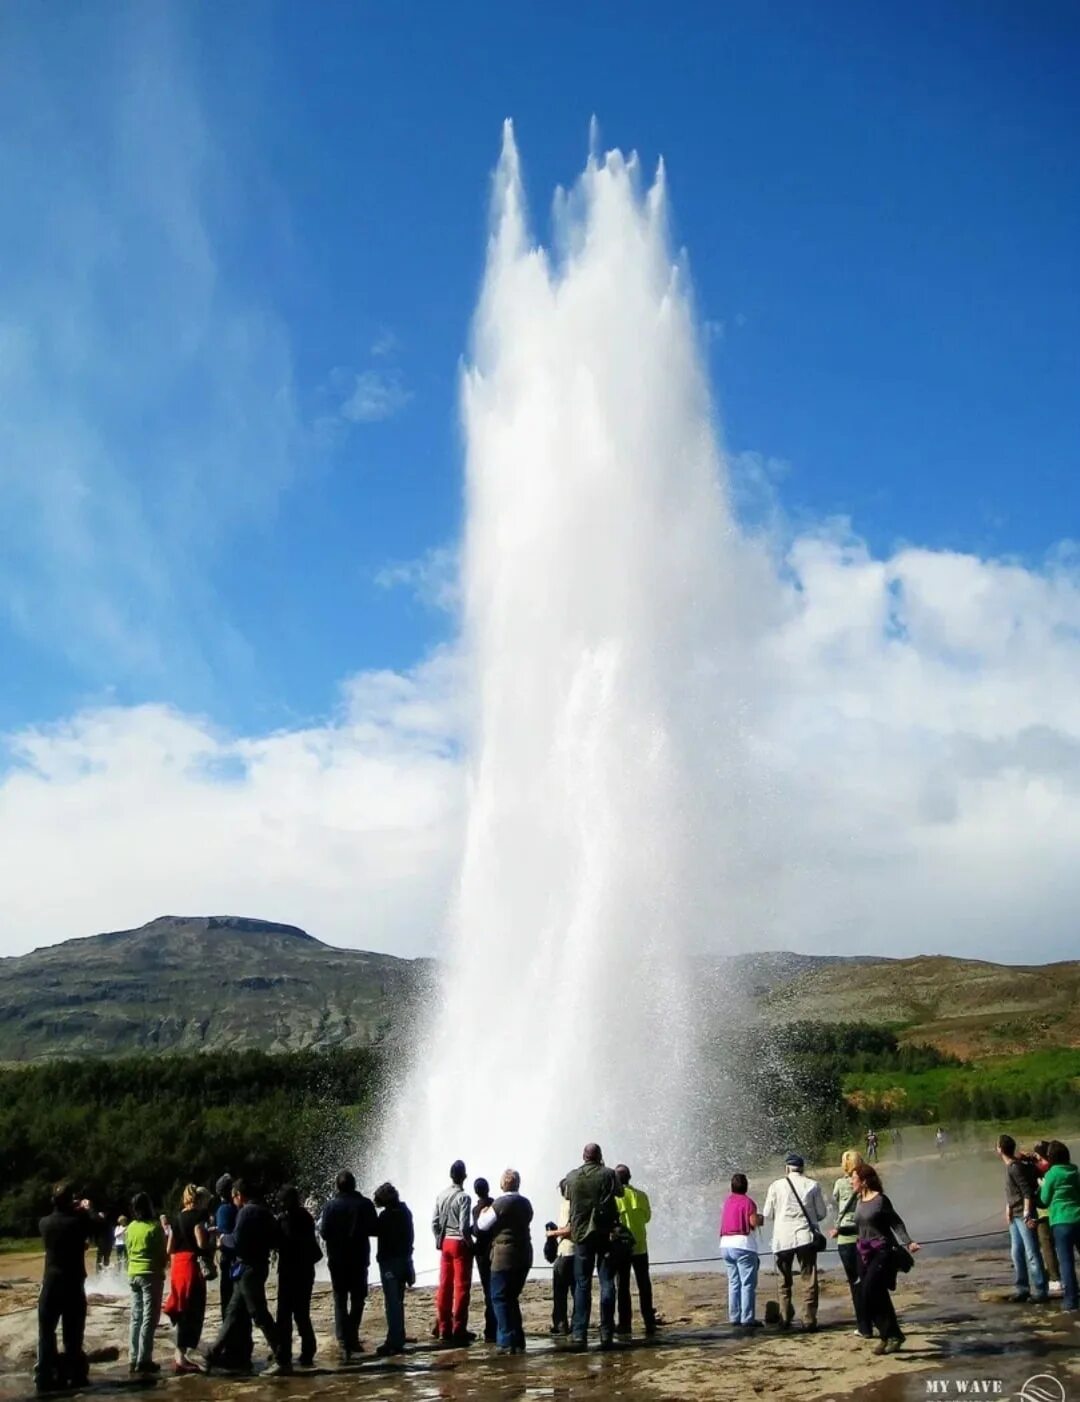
x=925, y=1095
x=968, y=1007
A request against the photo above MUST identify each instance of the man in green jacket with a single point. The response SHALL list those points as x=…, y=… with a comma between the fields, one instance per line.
x=635, y=1214
x=591, y=1191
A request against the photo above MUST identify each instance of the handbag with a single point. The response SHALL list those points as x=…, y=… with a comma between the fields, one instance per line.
x=902, y=1258
x=817, y=1239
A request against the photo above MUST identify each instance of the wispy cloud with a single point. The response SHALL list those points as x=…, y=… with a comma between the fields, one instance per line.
x=375, y=395
x=147, y=402
x=433, y=577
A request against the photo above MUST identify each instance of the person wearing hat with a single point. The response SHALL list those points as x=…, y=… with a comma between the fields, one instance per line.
x=796, y=1207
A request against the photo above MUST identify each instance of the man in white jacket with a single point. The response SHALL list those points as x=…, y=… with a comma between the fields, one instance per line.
x=796, y=1208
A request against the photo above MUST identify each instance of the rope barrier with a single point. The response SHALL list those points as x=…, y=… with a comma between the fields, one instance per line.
x=713, y=1260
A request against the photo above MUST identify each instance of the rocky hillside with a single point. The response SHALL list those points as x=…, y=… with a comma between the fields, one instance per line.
x=184, y=983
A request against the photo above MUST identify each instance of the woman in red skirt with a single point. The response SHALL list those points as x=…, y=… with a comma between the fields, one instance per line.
x=189, y=1243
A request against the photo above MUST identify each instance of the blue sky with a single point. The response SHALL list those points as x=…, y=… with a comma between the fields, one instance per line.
x=235, y=221
x=240, y=246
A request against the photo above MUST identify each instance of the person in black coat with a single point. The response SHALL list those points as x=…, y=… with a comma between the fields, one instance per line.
x=395, y=1257
x=482, y=1247
x=298, y=1253
x=65, y=1233
x=348, y=1223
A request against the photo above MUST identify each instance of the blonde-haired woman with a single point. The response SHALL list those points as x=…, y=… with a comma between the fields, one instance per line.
x=186, y=1306
x=844, y=1202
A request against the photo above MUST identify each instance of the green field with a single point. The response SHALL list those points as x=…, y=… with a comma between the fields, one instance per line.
x=1039, y=1084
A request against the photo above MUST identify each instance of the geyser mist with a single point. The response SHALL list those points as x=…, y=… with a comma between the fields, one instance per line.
x=600, y=630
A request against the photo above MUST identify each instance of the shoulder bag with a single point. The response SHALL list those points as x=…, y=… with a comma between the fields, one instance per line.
x=817, y=1239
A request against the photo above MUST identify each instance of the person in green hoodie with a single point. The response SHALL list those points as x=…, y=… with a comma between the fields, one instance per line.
x=1060, y=1194
x=144, y=1247
x=634, y=1213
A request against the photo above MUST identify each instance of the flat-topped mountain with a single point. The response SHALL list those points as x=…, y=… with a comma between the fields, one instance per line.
x=189, y=983
x=221, y=982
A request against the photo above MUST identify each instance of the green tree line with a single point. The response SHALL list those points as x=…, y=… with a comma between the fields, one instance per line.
x=155, y=1123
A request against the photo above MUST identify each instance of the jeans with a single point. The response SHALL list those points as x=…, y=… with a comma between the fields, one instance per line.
x=1027, y=1260
x=246, y=1307
x=808, y=1283
x=225, y=1265
x=349, y=1279
x=506, y=1288
x=62, y=1301
x=452, y=1292
x=589, y=1255
x=1067, y=1243
x=639, y=1264
x=483, y=1270
x=294, y=1304
x=562, y=1291
x=742, y=1273
x=146, y=1293
x=394, y=1273
x=849, y=1259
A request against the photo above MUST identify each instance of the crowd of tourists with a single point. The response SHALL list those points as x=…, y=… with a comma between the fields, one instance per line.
x=234, y=1238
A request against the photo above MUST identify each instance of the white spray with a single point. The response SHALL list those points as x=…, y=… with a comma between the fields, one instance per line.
x=598, y=583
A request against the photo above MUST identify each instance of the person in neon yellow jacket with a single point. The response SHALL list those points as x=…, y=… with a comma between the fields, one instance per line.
x=635, y=1214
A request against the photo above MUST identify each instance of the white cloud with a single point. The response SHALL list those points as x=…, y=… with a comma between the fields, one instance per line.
x=348, y=828
x=433, y=577
x=375, y=395
x=915, y=783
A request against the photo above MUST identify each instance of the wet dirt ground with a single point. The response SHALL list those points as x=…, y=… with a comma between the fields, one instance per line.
x=962, y=1339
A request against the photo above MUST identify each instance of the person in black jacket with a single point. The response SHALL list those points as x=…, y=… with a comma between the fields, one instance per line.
x=65, y=1232
x=482, y=1249
x=347, y=1226
x=256, y=1235
x=298, y=1253
x=395, y=1257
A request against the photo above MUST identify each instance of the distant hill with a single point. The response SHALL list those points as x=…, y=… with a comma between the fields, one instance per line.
x=969, y=1007
x=192, y=983
x=185, y=983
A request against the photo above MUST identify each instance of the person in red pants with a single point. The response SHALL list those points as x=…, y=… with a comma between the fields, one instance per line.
x=451, y=1223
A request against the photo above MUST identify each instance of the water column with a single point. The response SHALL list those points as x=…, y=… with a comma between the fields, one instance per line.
x=599, y=628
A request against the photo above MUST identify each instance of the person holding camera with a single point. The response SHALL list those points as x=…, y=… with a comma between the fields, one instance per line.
x=65, y=1233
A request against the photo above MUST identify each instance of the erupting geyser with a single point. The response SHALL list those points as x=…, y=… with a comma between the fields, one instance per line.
x=600, y=632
